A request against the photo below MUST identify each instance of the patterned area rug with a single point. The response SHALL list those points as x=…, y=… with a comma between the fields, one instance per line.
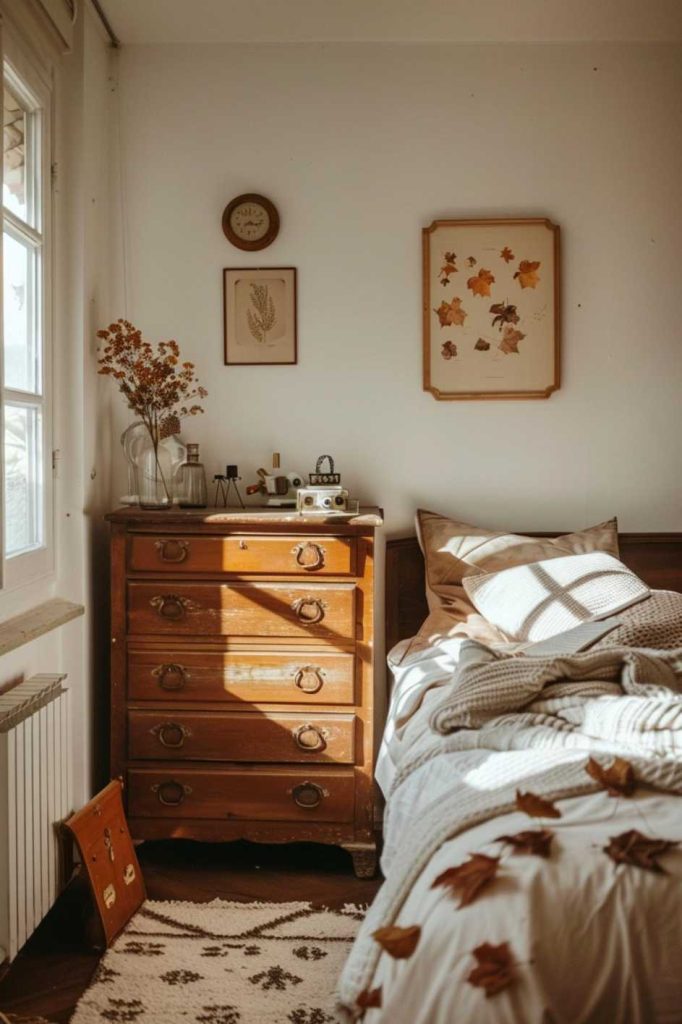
x=223, y=963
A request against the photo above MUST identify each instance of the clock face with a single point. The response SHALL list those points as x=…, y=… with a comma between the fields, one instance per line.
x=251, y=221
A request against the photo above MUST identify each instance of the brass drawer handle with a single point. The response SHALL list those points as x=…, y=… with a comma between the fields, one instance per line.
x=308, y=610
x=169, y=606
x=171, y=734
x=310, y=738
x=172, y=793
x=308, y=795
x=171, y=550
x=309, y=679
x=309, y=556
x=171, y=676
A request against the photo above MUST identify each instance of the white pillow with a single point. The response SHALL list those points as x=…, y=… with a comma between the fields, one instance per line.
x=539, y=600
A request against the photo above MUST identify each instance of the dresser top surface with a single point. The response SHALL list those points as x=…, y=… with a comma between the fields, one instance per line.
x=252, y=515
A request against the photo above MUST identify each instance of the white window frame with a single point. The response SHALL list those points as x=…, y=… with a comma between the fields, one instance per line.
x=32, y=83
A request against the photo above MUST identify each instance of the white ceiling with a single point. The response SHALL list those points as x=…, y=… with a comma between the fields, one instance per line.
x=220, y=21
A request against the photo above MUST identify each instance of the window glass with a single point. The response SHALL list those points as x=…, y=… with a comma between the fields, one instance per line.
x=23, y=478
x=15, y=181
x=22, y=363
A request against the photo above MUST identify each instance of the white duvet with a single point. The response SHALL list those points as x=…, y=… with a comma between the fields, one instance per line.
x=592, y=942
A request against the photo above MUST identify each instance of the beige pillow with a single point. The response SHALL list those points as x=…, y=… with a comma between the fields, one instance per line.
x=453, y=550
x=542, y=599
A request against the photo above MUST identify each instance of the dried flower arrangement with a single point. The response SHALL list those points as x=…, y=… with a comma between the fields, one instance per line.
x=155, y=384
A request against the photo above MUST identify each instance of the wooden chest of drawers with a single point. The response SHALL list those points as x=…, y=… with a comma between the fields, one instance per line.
x=242, y=675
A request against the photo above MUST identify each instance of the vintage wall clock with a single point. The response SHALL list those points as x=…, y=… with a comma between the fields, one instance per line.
x=251, y=222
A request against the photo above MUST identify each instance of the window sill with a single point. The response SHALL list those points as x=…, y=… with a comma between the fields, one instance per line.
x=35, y=622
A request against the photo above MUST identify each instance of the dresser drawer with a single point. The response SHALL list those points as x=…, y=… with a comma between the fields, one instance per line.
x=242, y=609
x=262, y=677
x=240, y=736
x=260, y=795
x=248, y=553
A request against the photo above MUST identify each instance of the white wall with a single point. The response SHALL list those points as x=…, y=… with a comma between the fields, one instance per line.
x=362, y=145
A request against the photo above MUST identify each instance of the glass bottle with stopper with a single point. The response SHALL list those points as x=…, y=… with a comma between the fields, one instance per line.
x=193, y=489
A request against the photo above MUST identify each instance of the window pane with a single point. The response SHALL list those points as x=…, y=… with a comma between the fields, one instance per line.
x=23, y=479
x=22, y=362
x=14, y=187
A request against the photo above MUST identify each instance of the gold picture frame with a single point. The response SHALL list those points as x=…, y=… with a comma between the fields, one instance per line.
x=491, y=308
x=259, y=310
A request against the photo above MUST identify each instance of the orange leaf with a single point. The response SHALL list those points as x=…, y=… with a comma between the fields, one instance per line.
x=528, y=278
x=618, y=779
x=494, y=968
x=538, y=841
x=369, y=998
x=634, y=848
x=482, y=345
x=510, y=340
x=467, y=879
x=535, y=807
x=507, y=255
x=480, y=284
x=451, y=313
x=400, y=943
x=448, y=350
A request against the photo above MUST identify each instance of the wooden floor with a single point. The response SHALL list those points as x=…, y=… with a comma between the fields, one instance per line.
x=56, y=965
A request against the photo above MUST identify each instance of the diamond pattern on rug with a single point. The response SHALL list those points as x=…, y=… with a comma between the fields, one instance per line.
x=223, y=963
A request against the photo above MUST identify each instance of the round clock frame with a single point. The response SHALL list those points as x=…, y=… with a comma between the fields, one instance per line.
x=257, y=243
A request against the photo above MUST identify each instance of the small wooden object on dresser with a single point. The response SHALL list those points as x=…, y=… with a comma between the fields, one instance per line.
x=242, y=684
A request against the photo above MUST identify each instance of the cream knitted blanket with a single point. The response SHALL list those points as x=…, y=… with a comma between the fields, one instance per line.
x=611, y=699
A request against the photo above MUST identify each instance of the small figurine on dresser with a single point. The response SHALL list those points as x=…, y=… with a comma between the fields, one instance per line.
x=279, y=487
x=224, y=482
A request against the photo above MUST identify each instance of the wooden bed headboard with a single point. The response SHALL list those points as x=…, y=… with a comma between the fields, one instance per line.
x=655, y=557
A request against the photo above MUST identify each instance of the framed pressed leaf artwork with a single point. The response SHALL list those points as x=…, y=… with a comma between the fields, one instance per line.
x=259, y=306
x=491, y=308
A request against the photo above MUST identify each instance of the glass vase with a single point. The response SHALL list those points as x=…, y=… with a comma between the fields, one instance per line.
x=155, y=475
x=142, y=471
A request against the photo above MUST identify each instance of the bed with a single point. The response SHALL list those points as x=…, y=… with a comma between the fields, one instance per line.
x=493, y=909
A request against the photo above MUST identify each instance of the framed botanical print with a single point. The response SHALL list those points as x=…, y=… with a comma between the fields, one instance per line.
x=491, y=308
x=259, y=307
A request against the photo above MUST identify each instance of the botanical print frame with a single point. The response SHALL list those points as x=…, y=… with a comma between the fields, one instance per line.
x=259, y=306
x=491, y=308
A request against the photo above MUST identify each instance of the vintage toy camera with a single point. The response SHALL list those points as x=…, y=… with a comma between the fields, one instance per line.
x=324, y=492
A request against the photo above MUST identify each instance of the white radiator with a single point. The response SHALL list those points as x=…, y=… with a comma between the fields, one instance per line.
x=35, y=796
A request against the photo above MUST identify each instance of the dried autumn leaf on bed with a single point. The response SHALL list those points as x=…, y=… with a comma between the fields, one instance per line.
x=618, y=779
x=504, y=314
x=535, y=807
x=400, y=943
x=634, y=848
x=482, y=345
x=480, y=284
x=448, y=350
x=451, y=314
x=494, y=968
x=369, y=998
x=510, y=340
x=472, y=261
x=467, y=879
x=538, y=841
x=527, y=273
x=507, y=255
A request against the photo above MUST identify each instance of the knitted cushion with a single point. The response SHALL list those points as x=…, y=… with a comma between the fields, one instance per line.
x=536, y=601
